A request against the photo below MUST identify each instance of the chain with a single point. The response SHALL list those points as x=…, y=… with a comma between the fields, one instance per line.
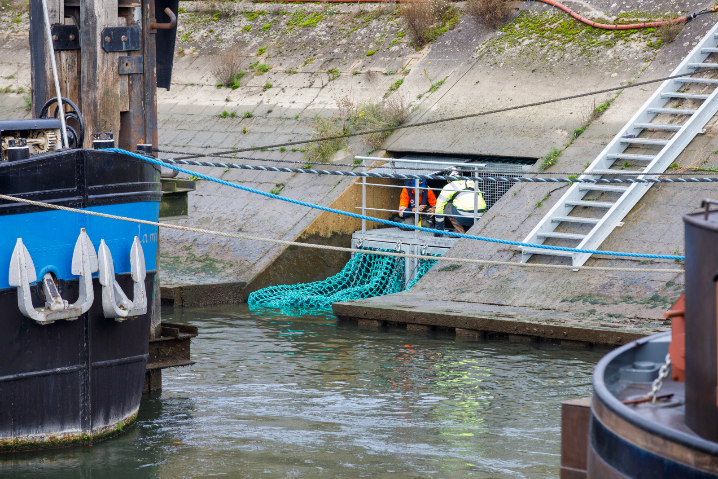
x=507, y=177
x=466, y=166
x=658, y=382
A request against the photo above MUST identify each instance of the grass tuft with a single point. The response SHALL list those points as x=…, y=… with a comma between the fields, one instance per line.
x=550, y=158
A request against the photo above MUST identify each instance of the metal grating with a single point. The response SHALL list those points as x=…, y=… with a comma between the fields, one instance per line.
x=492, y=191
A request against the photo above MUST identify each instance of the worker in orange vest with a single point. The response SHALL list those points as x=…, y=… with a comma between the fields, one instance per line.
x=427, y=199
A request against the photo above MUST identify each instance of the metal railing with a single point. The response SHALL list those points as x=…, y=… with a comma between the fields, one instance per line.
x=469, y=169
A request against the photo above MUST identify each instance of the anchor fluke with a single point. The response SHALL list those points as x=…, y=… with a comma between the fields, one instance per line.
x=115, y=303
x=22, y=274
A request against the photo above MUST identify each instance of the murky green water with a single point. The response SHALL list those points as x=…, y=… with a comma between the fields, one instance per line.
x=276, y=396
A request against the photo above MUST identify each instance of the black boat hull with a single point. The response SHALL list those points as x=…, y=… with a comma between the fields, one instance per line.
x=79, y=380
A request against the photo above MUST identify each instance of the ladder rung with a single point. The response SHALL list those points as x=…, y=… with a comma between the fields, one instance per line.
x=574, y=219
x=593, y=204
x=645, y=141
x=702, y=65
x=550, y=252
x=626, y=156
x=671, y=111
x=692, y=96
x=561, y=236
x=709, y=50
x=656, y=126
x=604, y=188
x=696, y=80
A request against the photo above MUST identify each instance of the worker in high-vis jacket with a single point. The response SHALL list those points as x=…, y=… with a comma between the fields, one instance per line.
x=456, y=202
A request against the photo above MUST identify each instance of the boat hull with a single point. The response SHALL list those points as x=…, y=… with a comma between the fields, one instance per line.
x=80, y=380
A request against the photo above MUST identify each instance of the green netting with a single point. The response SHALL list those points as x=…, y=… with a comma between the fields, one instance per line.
x=364, y=276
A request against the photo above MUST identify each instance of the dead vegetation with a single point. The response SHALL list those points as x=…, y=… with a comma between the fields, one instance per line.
x=353, y=118
x=373, y=116
x=226, y=67
x=422, y=17
x=670, y=31
x=491, y=13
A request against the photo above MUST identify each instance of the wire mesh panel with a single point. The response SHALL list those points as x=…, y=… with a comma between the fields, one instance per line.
x=493, y=190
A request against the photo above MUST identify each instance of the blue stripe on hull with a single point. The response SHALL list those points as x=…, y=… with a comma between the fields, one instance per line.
x=50, y=237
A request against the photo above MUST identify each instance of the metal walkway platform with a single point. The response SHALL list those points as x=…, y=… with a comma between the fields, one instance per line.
x=409, y=242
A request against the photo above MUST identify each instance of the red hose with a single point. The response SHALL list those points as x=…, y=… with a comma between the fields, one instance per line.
x=553, y=3
x=605, y=26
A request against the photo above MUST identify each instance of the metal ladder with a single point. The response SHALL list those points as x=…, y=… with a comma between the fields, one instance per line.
x=613, y=211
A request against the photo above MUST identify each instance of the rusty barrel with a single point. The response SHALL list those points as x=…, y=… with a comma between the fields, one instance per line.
x=701, y=230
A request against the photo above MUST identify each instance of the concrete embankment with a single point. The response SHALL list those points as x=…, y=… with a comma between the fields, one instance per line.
x=586, y=306
x=317, y=58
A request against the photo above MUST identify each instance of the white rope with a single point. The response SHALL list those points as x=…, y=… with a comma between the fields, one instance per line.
x=61, y=109
x=338, y=248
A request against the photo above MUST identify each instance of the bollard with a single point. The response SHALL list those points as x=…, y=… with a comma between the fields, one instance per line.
x=145, y=150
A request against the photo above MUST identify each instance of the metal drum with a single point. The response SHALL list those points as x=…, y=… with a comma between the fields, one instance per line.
x=701, y=353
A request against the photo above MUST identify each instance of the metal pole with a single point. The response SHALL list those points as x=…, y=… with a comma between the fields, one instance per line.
x=61, y=112
x=416, y=206
x=363, y=198
x=476, y=196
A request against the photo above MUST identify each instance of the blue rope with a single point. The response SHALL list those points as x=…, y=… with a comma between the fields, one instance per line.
x=387, y=222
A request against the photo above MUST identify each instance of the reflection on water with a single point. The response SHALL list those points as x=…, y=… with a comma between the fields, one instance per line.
x=278, y=396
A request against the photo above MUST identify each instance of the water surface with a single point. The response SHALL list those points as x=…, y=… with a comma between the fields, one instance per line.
x=283, y=396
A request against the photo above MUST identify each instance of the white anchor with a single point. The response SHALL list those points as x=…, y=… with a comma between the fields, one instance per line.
x=22, y=273
x=114, y=302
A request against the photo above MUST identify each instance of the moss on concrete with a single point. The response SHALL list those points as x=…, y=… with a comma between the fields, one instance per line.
x=652, y=302
x=551, y=35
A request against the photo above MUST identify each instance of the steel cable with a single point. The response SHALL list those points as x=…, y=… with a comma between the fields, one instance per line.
x=169, y=162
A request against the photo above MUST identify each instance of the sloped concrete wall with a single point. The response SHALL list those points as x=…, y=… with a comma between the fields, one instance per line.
x=620, y=300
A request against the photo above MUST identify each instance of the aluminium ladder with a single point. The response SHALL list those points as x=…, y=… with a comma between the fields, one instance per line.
x=680, y=135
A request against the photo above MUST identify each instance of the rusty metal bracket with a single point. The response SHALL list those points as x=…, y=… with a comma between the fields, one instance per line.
x=65, y=37
x=154, y=26
x=121, y=39
x=131, y=65
x=172, y=348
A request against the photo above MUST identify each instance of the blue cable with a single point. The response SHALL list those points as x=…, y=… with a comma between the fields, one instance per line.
x=387, y=222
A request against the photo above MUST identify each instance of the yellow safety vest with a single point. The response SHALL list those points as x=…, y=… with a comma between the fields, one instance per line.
x=461, y=194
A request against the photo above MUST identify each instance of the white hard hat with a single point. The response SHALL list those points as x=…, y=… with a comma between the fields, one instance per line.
x=454, y=171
